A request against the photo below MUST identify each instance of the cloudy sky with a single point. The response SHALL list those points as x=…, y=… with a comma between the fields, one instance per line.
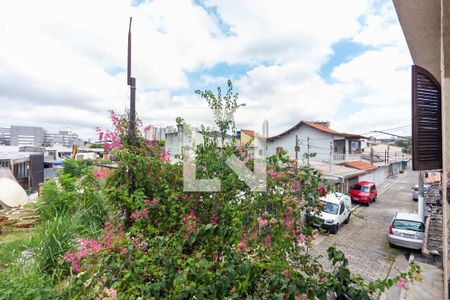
x=63, y=63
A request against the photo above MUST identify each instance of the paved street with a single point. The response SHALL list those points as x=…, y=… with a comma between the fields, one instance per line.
x=364, y=240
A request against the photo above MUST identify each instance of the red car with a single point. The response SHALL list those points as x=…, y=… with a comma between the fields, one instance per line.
x=364, y=192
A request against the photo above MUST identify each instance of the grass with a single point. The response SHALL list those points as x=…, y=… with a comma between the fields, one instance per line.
x=12, y=242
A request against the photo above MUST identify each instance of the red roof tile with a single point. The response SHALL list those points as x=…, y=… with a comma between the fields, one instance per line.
x=248, y=132
x=318, y=127
x=358, y=164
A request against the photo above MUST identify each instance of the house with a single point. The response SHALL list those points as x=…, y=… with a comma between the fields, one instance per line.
x=341, y=177
x=26, y=167
x=176, y=140
x=317, y=137
x=248, y=138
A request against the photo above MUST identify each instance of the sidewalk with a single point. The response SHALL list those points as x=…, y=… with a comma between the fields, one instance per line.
x=430, y=288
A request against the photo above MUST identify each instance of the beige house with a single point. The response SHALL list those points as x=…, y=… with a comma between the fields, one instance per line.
x=426, y=26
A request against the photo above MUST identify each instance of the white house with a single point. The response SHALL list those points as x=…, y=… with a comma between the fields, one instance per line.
x=176, y=141
x=317, y=137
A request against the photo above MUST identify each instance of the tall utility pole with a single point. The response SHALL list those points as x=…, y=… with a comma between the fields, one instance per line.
x=331, y=154
x=388, y=157
x=297, y=149
x=131, y=81
x=308, y=144
x=371, y=155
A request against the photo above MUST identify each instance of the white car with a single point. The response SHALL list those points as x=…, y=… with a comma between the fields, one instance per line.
x=336, y=211
x=406, y=230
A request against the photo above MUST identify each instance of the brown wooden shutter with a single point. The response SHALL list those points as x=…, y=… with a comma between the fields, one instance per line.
x=426, y=120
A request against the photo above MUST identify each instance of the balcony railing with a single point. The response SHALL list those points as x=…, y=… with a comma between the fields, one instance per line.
x=346, y=157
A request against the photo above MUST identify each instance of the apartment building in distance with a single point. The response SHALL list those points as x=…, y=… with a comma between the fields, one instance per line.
x=37, y=136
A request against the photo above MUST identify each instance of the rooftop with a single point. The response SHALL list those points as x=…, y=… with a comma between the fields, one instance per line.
x=318, y=126
x=358, y=164
x=335, y=170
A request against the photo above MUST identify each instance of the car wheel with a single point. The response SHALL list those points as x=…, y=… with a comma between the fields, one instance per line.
x=336, y=230
x=391, y=245
x=348, y=219
x=368, y=203
x=374, y=198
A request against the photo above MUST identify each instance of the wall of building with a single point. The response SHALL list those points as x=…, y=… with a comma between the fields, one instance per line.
x=445, y=84
x=27, y=136
x=319, y=143
x=245, y=138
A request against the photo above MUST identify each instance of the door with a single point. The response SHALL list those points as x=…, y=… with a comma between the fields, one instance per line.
x=342, y=213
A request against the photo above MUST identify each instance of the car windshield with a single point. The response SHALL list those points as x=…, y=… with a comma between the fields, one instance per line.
x=361, y=188
x=408, y=225
x=330, y=208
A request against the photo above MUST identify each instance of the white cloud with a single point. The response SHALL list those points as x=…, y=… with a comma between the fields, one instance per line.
x=62, y=62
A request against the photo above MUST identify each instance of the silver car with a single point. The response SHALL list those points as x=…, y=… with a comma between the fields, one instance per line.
x=406, y=230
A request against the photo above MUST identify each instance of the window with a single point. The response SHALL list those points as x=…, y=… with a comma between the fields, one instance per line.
x=331, y=208
x=341, y=211
x=426, y=121
x=364, y=189
x=408, y=225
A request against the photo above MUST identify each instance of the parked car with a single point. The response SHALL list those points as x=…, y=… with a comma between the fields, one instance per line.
x=406, y=230
x=364, y=192
x=415, y=191
x=336, y=211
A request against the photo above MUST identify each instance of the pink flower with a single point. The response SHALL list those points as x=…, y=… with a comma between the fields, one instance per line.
x=124, y=250
x=301, y=298
x=286, y=273
x=402, y=283
x=262, y=223
x=98, y=175
x=299, y=236
x=243, y=246
x=110, y=294
x=155, y=202
x=147, y=202
x=136, y=215
x=165, y=156
x=214, y=220
x=143, y=246
x=322, y=191
x=144, y=213
x=190, y=221
x=268, y=240
x=275, y=175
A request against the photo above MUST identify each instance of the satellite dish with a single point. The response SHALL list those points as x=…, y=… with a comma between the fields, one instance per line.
x=11, y=194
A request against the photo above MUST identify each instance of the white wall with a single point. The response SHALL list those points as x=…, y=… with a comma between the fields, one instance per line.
x=377, y=176
x=320, y=143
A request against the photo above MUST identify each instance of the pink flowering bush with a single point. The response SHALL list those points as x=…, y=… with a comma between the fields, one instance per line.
x=236, y=243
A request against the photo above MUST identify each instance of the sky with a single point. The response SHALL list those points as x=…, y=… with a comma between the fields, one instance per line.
x=63, y=63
